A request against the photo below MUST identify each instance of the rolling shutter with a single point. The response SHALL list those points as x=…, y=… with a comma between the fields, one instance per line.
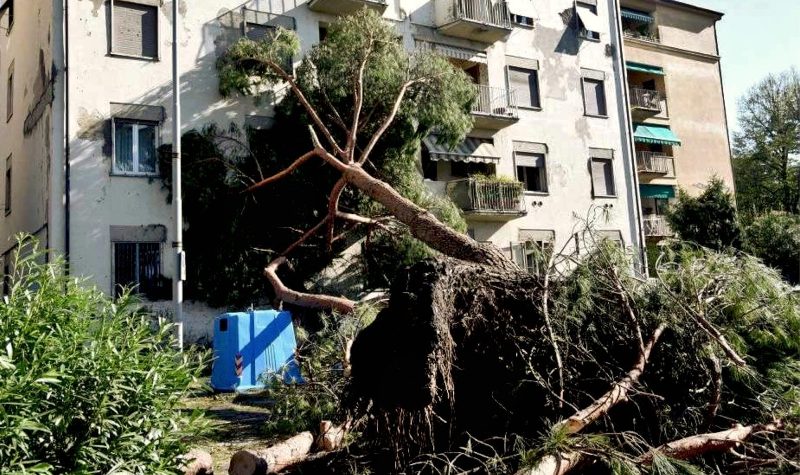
x=594, y=97
x=135, y=29
x=525, y=85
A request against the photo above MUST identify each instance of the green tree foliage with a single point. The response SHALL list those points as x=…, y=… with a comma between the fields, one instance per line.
x=766, y=149
x=87, y=385
x=775, y=238
x=228, y=253
x=709, y=219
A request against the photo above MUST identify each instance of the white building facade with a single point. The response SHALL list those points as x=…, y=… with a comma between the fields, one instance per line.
x=87, y=84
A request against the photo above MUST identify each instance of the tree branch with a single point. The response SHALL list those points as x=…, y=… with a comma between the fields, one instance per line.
x=386, y=123
x=286, y=171
x=285, y=294
x=357, y=104
x=619, y=392
x=333, y=209
x=697, y=445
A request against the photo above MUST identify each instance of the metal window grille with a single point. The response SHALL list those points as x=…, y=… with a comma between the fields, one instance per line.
x=137, y=265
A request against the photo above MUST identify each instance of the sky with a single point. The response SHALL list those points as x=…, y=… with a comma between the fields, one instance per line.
x=756, y=37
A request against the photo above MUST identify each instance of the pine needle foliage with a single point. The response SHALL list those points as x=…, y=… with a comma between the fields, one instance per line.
x=87, y=385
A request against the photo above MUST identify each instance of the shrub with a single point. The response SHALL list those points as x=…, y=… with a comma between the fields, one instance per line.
x=709, y=220
x=775, y=238
x=87, y=384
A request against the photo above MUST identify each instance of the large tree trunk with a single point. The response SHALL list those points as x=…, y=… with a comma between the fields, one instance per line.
x=423, y=225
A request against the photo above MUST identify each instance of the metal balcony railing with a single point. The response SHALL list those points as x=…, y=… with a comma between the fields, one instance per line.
x=648, y=36
x=484, y=196
x=656, y=226
x=483, y=11
x=646, y=99
x=495, y=101
x=653, y=162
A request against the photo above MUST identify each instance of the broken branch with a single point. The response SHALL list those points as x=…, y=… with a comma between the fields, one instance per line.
x=286, y=171
x=284, y=293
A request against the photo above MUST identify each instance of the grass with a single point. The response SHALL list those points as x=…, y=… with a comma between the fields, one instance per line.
x=237, y=423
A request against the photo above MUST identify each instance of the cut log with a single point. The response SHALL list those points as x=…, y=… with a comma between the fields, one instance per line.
x=273, y=459
x=331, y=436
x=197, y=462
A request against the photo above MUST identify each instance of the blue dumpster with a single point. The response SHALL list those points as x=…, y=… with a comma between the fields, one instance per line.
x=249, y=344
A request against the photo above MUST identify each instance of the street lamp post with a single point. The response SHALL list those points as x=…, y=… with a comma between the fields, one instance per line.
x=177, y=198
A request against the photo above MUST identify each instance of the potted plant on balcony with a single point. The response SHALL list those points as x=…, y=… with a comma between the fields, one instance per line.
x=504, y=195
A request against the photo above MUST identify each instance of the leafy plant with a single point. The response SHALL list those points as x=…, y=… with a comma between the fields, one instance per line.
x=87, y=385
x=775, y=238
x=709, y=220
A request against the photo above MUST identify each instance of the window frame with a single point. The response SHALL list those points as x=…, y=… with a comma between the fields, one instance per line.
x=140, y=123
x=613, y=177
x=585, y=103
x=8, y=190
x=538, y=86
x=522, y=21
x=111, y=34
x=10, y=82
x=544, y=174
x=138, y=283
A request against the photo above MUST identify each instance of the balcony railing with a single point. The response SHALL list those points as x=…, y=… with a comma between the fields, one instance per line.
x=646, y=99
x=652, y=37
x=484, y=11
x=496, y=102
x=653, y=162
x=656, y=226
x=488, y=197
x=479, y=20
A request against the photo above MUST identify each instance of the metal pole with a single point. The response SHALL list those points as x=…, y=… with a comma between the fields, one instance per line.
x=177, y=199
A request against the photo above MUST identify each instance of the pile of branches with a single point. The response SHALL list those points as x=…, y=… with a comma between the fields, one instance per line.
x=583, y=368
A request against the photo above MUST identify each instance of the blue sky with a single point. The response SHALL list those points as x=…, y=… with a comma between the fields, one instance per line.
x=756, y=37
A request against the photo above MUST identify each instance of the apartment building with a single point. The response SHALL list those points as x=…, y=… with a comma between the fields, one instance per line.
x=87, y=89
x=676, y=101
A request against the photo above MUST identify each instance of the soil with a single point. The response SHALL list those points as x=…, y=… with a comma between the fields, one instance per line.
x=238, y=421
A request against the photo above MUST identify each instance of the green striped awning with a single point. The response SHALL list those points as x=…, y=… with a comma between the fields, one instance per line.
x=654, y=134
x=636, y=15
x=644, y=68
x=663, y=192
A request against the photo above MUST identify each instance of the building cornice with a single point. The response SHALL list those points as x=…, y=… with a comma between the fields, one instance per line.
x=692, y=8
x=654, y=46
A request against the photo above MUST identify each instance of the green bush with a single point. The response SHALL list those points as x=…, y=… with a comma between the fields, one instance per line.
x=87, y=385
x=709, y=220
x=775, y=238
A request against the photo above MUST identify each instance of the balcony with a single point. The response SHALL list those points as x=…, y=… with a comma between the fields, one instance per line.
x=642, y=35
x=646, y=101
x=494, y=108
x=479, y=20
x=656, y=226
x=488, y=199
x=654, y=163
x=343, y=7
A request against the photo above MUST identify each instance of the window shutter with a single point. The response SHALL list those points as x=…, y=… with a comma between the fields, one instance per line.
x=525, y=85
x=602, y=177
x=594, y=97
x=135, y=29
x=535, y=160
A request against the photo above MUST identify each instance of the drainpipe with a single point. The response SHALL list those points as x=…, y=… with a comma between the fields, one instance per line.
x=177, y=198
x=67, y=170
x=629, y=135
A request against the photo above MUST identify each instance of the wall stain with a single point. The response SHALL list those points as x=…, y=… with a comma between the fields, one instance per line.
x=91, y=125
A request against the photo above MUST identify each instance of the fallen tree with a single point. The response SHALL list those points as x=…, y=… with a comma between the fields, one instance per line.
x=587, y=364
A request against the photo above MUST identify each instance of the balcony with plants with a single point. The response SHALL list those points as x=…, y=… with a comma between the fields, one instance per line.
x=490, y=197
x=639, y=25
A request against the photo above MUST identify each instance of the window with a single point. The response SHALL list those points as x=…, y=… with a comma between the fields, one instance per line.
x=589, y=24
x=531, y=171
x=8, y=8
x=10, y=93
x=594, y=97
x=614, y=236
x=522, y=20
x=525, y=84
x=468, y=169
x=8, y=186
x=134, y=28
x=534, y=249
x=138, y=265
x=603, y=177
x=135, y=147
